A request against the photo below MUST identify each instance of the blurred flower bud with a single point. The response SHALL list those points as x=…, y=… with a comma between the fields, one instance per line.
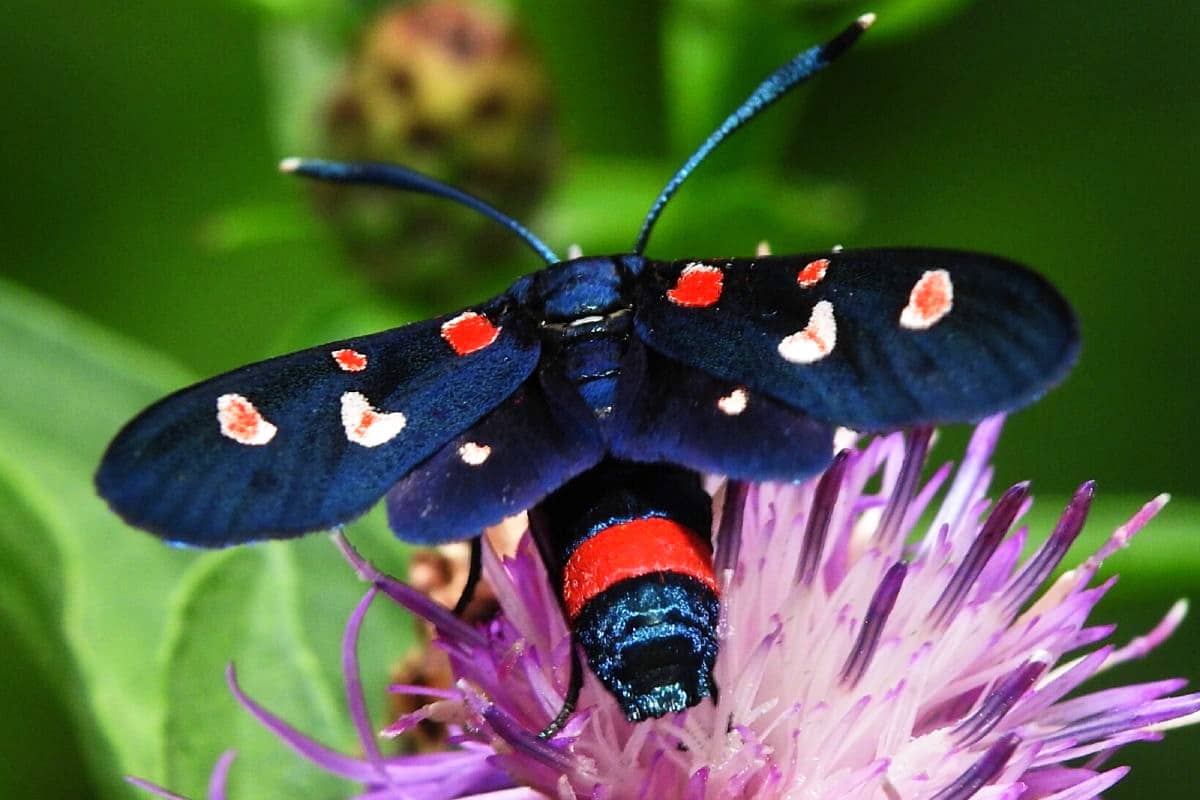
x=446, y=87
x=441, y=573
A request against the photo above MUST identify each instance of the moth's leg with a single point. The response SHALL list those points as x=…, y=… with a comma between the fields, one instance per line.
x=572, y=698
x=474, y=572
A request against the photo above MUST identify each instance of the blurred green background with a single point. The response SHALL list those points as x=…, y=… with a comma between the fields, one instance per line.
x=149, y=241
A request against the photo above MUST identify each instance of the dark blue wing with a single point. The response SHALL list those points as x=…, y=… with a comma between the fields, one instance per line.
x=684, y=416
x=312, y=439
x=869, y=339
x=541, y=436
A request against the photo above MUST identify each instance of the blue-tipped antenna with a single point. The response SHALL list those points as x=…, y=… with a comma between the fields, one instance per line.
x=401, y=178
x=777, y=84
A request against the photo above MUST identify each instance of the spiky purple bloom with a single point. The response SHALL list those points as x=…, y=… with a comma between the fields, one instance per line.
x=860, y=658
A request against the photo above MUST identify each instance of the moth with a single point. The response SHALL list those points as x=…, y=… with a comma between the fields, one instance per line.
x=593, y=393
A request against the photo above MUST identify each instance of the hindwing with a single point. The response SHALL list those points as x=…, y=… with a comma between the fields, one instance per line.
x=535, y=441
x=682, y=415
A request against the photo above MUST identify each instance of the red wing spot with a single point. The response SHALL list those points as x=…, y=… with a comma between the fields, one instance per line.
x=350, y=360
x=365, y=420
x=469, y=332
x=698, y=286
x=812, y=273
x=630, y=550
x=242, y=422
x=931, y=298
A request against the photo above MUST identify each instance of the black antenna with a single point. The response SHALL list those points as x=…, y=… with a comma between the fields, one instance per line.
x=777, y=84
x=402, y=178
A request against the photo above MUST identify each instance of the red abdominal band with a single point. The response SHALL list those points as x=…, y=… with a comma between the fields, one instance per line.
x=630, y=550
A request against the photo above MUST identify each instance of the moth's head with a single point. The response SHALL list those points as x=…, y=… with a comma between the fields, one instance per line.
x=578, y=288
x=652, y=642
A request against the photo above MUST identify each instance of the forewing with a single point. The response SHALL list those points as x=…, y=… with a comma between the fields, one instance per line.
x=683, y=415
x=309, y=440
x=535, y=441
x=869, y=339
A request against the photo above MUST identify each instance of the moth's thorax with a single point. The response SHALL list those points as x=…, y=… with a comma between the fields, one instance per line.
x=585, y=318
x=582, y=287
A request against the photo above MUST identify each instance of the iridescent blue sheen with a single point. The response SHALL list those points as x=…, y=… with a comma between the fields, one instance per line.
x=652, y=642
x=651, y=639
x=593, y=394
x=578, y=288
x=586, y=322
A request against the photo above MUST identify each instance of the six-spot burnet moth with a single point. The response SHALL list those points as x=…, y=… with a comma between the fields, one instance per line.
x=593, y=393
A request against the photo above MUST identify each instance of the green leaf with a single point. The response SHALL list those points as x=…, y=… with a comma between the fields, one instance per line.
x=277, y=611
x=240, y=602
x=41, y=685
x=68, y=387
x=755, y=205
x=93, y=598
x=709, y=68
x=302, y=66
x=896, y=17
x=31, y=568
x=907, y=17
x=603, y=61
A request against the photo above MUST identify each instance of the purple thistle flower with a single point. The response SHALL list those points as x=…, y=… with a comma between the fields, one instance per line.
x=860, y=658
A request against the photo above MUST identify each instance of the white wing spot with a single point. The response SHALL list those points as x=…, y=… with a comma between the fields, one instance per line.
x=735, y=402
x=931, y=298
x=242, y=422
x=367, y=426
x=473, y=454
x=815, y=341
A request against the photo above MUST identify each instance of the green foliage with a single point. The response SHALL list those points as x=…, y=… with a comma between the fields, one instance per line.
x=693, y=224
x=140, y=146
x=244, y=601
x=58, y=408
x=134, y=636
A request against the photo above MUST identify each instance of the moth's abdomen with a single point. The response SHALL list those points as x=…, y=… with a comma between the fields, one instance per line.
x=629, y=545
x=631, y=550
x=652, y=642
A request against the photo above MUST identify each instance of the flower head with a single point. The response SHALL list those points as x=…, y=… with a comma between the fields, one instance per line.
x=864, y=654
